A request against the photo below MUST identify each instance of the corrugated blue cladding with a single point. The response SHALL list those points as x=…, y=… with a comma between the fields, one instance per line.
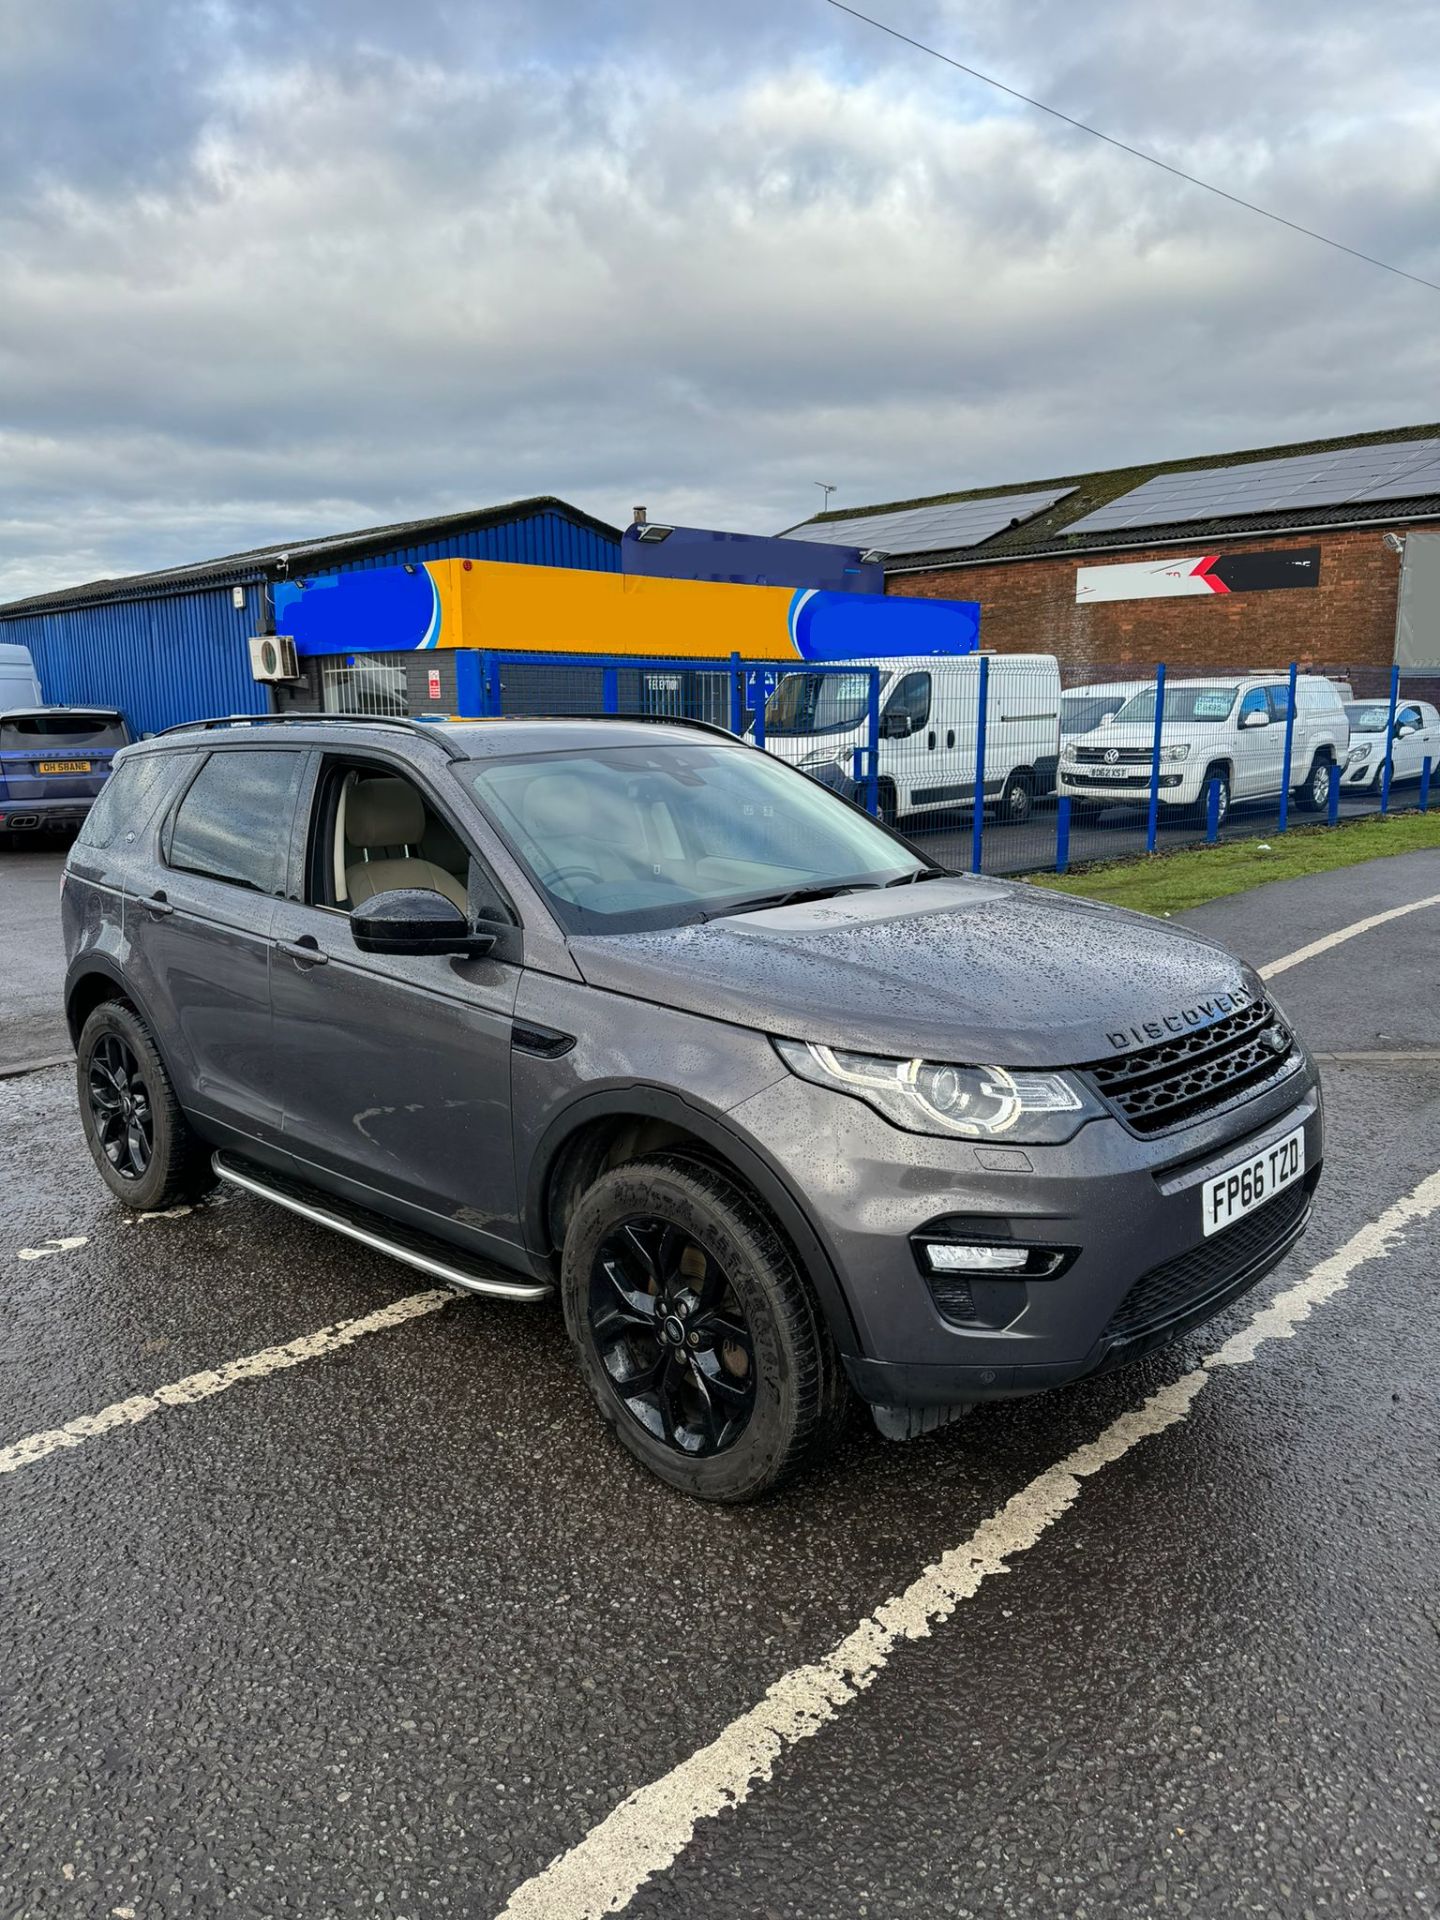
x=544, y=540
x=180, y=656
x=173, y=658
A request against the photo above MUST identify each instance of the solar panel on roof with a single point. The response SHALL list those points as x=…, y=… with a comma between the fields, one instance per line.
x=954, y=523
x=1398, y=470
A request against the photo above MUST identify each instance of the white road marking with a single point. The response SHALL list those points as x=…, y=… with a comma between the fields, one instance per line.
x=647, y=1832
x=201, y=1386
x=1341, y=935
x=52, y=1247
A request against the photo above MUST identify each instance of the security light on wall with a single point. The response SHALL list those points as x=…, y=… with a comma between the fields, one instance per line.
x=653, y=532
x=872, y=557
x=1395, y=542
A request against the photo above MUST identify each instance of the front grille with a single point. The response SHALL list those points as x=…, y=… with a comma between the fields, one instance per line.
x=1195, y=1284
x=1125, y=756
x=1180, y=1080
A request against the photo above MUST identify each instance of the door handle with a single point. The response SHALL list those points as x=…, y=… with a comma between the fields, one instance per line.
x=157, y=906
x=304, y=950
x=930, y=741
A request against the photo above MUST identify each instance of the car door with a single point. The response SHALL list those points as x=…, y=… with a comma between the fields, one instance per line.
x=395, y=1070
x=1259, y=750
x=909, y=741
x=1409, y=748
x=197, y=931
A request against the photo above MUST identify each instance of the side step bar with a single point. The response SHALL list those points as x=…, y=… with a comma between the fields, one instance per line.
x=416, y=1250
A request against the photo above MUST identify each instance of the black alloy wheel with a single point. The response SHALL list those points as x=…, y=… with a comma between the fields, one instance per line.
x=121, y=1108
x=672, y=1336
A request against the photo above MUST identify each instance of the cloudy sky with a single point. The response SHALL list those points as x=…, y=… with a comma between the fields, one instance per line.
x=284, y=267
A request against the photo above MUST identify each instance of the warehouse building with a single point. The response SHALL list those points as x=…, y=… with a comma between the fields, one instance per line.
x=1325, y=553
x=176, y=645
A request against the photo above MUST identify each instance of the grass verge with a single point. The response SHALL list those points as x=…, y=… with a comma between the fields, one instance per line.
x=1171, y=882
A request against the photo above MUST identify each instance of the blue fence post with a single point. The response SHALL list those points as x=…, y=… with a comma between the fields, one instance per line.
x=977, y=824
x=1425, y=784
x=1289, y=751
x=1212, y=810
x=1390, y=740
x=610, y=690
x=1153, y=822
x=759, y=706
x=1332, y=812
x=737, y=697
x=872, y=719
x=1062, y=833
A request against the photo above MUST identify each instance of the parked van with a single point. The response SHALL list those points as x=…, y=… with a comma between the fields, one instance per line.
x=929, y=720
x=19, y=682
x=1231, y=726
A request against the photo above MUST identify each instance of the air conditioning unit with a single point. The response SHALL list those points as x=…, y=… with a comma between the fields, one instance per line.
x=272, y=657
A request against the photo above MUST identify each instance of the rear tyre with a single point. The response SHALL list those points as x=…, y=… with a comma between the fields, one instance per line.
x=696, y=1332
x=1017, y=802
x=146, y=1151
x=1314, y=794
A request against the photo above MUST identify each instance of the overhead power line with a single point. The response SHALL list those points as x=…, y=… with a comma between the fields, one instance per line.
x=1137, y=153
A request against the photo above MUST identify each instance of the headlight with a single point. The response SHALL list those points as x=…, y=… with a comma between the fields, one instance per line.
x=1175, y=753
x=970, y=1103
x=825, y=756
x=1069, y=755
x=1356, y=755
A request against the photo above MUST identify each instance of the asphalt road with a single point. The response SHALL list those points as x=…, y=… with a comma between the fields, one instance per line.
x=388, y=1630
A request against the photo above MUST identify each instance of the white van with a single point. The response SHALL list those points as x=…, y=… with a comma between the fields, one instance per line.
x=19, y=683
x=1231, y=726
x=929, y=713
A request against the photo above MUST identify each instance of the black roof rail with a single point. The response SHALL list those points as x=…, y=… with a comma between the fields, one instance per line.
x=426, y=729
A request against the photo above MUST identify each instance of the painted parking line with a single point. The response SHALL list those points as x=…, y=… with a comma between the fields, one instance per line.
x=647, y=1832
x=1342, y=934
x=36, y=1447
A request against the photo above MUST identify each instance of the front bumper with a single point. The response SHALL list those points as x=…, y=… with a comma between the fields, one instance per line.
x=1126, y=1210
x=1132, y=787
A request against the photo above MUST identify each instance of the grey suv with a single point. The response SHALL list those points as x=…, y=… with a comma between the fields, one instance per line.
x=630, y=1012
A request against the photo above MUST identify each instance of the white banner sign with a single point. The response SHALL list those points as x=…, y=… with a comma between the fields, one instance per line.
x=1148, y=580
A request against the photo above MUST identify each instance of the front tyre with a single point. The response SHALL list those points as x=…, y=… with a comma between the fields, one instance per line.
x=143, y=1145
x=695, y=1330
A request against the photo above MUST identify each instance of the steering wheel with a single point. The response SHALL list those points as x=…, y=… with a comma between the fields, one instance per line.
x=566, y=873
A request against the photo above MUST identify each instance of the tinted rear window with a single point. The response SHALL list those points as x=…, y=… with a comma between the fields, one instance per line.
x=62, y=732
x=234, y=822
x=126, y=800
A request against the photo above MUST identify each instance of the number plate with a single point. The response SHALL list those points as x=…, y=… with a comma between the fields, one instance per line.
x=1230, y=1196
x=64, y=766
x=1106, y=773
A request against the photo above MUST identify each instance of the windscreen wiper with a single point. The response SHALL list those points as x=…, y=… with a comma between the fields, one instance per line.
x=794, y=897
x=920, y=873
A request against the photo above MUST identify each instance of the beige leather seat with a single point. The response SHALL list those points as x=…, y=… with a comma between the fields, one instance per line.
x=574, y=826
x=385, y=814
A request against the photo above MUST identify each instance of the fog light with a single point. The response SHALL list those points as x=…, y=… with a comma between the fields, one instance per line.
x=945, y=1257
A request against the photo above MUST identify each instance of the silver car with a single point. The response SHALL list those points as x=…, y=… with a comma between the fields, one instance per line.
x=631, y=1014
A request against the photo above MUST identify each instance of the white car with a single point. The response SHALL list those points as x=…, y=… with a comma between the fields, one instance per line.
x=1082, y=709
x=1227, y=726
x=1417, y=738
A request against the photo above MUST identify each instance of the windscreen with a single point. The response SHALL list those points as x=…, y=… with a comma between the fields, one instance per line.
x=1187, y=706
x=819, y=702
x=633, y=838
x=1081, y=713
x=1369, y=716
x=61, y=732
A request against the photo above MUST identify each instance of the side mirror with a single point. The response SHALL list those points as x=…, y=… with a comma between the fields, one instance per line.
x=1107, y=719
x=415, y=920
x=1404, y=729
x=895, y=725
x=1256, y=719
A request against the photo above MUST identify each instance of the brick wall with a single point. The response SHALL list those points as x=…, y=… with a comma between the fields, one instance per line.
x=1028, y=606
